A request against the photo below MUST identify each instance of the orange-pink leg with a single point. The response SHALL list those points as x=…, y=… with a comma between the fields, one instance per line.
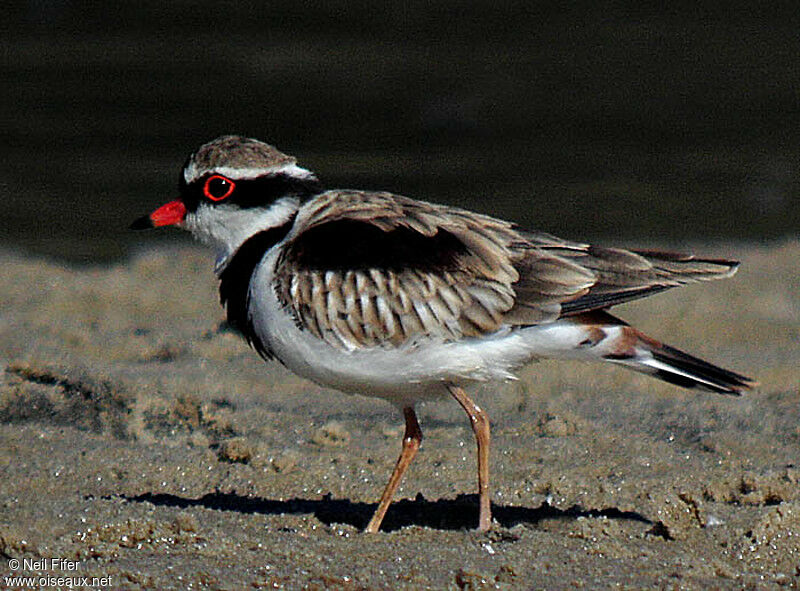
x=411, y=443
x=480, y=426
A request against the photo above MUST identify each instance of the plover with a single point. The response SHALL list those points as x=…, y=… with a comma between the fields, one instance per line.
x=382, y=295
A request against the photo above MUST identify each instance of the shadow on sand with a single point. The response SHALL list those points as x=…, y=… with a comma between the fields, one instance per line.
x=445, y=514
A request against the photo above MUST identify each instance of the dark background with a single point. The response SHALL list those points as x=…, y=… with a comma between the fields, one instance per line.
x=621, y=125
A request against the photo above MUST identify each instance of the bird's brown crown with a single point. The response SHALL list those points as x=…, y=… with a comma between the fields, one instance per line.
x=233, y=152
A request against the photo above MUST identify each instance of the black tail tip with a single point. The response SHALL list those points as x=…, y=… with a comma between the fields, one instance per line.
x=730, y=387
x=688, y=371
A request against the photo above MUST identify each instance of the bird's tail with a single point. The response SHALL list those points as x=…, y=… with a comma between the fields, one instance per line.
x=646, y=355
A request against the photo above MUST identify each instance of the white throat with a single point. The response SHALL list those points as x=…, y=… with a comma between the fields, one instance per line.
x=226, y=227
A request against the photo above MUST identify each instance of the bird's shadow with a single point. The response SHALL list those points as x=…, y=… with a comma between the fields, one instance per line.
x=445, y=514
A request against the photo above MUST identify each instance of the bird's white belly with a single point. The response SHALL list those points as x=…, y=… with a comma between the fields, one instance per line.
x=408, y=373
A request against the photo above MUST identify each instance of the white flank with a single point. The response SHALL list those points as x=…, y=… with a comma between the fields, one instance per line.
x=413, y=371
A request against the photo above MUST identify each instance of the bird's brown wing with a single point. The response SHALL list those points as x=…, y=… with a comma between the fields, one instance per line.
x=618, y=275
x=375, y=269
x=364, y=269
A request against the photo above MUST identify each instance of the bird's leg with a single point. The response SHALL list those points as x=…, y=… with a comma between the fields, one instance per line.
x=411, y=443
x=480, y=426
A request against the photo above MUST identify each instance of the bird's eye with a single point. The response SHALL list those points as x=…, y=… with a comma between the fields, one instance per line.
x=217, y=188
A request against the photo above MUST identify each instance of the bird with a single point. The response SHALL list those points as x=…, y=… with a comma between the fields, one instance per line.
x=386, y=296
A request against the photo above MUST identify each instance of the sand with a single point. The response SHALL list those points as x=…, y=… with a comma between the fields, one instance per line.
x=147, y=443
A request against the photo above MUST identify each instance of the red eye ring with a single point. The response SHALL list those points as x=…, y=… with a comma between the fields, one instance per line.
x=217, y=187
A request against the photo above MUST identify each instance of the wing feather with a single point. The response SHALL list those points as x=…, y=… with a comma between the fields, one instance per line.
x=363, y=269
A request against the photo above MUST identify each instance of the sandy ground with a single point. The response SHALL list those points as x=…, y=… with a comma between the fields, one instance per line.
x=141, y=439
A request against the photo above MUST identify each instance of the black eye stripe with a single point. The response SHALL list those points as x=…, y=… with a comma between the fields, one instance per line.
x=255, y=192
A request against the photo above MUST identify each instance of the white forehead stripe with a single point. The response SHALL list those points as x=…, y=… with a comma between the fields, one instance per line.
x=191, y=173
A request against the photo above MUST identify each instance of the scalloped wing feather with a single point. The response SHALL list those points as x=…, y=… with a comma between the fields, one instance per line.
x=362, y=269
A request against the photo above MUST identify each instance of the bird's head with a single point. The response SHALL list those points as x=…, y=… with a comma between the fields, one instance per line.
x=230, y=189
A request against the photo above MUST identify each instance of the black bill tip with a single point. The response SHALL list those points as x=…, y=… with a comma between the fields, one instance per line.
x=142, y=223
